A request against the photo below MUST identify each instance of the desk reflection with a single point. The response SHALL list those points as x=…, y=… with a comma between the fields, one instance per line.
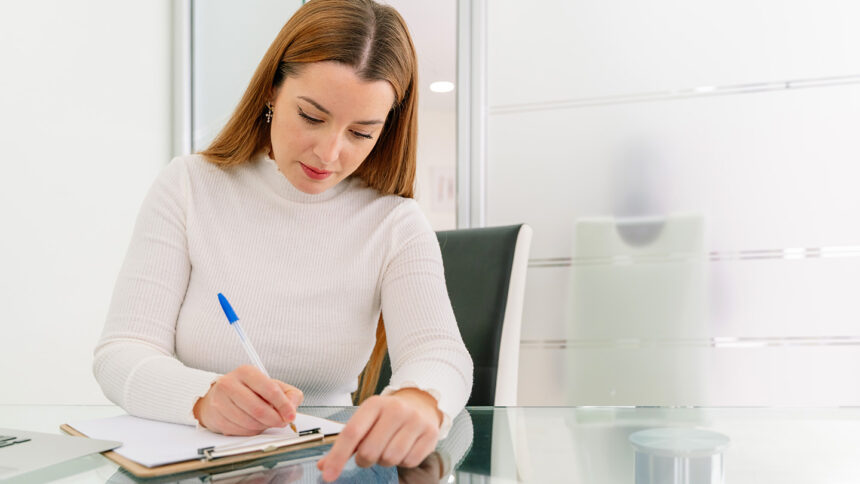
x=588, y=445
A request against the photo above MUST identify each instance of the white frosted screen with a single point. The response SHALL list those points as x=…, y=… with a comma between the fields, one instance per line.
x=554, y=50
x=690, y=171
x=768, y=170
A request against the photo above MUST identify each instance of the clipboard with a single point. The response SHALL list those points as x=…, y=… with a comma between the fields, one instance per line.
x=203, y=463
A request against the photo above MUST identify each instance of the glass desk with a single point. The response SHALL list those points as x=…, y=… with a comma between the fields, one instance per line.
x=535, y=445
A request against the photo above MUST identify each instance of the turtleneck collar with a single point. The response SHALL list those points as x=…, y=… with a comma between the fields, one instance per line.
x=268, y=170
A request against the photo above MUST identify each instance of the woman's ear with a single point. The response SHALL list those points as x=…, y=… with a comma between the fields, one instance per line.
x=272, y=95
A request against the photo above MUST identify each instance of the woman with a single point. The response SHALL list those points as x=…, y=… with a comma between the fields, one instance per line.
x=301, y=213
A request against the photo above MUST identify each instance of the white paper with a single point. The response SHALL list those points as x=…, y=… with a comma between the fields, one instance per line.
x=152, y=443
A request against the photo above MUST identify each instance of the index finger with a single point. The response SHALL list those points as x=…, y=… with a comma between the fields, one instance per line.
x=294, y=395
x=348, y=439
x=269, y=390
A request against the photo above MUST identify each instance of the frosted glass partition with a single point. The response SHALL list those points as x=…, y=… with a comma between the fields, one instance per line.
x=690, y=173
x=229, y=39
x=561, y=50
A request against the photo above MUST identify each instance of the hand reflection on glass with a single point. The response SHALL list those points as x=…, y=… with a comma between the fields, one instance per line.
x=428, y=471
x=433, y=469
x=279, y=475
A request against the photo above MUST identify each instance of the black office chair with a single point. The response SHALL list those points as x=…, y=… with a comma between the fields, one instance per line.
x=485, y=270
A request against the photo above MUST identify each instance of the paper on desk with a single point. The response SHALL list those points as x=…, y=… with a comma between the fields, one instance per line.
x=152, y=443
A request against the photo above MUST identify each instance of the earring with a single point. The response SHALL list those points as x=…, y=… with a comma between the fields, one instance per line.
x=269, y=113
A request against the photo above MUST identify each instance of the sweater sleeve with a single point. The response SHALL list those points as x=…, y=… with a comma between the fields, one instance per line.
x=134, y=361
x=424, y=342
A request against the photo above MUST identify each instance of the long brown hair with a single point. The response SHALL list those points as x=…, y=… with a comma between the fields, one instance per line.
x=374, y=40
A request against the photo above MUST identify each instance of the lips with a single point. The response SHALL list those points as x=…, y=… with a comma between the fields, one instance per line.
x=314, y=173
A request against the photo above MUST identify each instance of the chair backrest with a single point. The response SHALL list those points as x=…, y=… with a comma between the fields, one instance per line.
x=485, y=271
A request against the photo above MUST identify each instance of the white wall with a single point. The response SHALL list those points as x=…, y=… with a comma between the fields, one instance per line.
x=85, y=122
x=433, y=26
x=435, y=184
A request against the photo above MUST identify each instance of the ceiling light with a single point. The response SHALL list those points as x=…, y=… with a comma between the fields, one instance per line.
x=442, y=86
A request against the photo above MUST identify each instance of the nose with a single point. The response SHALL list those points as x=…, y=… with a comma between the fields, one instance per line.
x=328, y=147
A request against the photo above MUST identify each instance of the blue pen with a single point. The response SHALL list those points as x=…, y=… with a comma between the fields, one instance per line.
x=246, y=343
x=234, y=322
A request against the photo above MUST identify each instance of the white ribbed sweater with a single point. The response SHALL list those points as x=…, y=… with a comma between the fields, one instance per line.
x=307, y=276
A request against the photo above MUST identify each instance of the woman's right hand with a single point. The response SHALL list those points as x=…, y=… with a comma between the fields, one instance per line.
x=246, y=402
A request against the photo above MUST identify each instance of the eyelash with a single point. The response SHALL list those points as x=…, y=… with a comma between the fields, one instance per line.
x=315, y=121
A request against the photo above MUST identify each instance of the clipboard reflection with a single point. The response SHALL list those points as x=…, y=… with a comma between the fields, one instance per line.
x=304, y=471
x=300, y=466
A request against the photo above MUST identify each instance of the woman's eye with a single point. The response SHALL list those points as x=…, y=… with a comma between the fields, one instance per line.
x=308, y=118
x=313, y=121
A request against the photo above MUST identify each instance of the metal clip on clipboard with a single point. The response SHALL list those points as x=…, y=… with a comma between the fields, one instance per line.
x=254, y=444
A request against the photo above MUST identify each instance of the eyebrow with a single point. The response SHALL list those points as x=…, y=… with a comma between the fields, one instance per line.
x=326, y=111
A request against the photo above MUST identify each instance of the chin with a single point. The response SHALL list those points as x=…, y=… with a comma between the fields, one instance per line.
x=313, y=188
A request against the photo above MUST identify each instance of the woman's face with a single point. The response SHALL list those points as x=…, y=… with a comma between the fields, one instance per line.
x=326, y=120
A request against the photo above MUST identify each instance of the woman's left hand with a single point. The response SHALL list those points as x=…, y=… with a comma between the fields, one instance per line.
x=397, y=429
